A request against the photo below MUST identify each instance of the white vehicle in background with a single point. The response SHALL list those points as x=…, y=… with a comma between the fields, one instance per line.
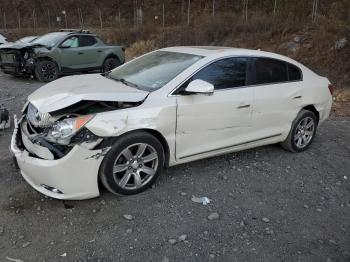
x=3, y=39
x=168, y=107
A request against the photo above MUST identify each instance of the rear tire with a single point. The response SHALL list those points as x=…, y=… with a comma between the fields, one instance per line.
x=46, y=71
x=133, y=164
x=302, y=132
x=110, y=63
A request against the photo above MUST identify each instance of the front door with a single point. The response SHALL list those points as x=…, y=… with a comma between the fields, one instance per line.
x=222, y=120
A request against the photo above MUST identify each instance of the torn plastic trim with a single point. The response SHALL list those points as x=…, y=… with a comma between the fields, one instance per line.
x=39, y=147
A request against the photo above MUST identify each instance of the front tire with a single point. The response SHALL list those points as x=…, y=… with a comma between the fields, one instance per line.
x=110, y=63
x=46, y=71
x=302, y=132
x=133, y=164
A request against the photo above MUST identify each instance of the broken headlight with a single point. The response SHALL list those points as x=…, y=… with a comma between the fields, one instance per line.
x=62, y=131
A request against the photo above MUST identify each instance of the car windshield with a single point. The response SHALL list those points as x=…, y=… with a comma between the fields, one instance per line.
x=152, y=71
x=49, y=40
x=27, y=39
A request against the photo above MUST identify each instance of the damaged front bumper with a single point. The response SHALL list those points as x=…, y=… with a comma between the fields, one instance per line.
x=72, y=177
x=12, y=63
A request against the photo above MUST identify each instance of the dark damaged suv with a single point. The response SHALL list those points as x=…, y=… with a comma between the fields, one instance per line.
x=59, y=53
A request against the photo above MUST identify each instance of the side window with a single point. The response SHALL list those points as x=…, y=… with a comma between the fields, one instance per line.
x=269, y=71
x=71, y=42
x=294, y=73
x=225, y=73
x=85, y=40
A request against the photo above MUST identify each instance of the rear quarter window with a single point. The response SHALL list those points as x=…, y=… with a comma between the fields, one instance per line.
x=268, y=71
x=85, y=40
x=294, y=73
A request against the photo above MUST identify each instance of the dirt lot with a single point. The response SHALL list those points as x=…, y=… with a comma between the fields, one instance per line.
x=272, y=206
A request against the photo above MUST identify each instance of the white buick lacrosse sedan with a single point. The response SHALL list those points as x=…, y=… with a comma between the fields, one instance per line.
x=167, y=107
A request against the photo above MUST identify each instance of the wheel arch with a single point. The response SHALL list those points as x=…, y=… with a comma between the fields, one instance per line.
x=45, y=58
x=153, y=132
x=112, y=55
x=313, y=109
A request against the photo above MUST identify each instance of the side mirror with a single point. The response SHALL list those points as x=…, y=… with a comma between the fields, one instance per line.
x=64, y=46
x=200, y=87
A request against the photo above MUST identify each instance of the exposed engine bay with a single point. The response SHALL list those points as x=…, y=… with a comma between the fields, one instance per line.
x=53, y=135
x=17, y=60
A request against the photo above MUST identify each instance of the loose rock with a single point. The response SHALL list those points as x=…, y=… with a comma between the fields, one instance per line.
x=265, y=219
x=128, y=217
x=172, y=241
x=182, y=237
x=26, y=244
x=340, y=44
x=213, y=216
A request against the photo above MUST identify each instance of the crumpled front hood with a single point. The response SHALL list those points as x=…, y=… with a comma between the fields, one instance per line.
x=19, y=45
x=69, y=90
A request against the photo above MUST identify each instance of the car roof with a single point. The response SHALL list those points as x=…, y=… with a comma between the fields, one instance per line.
x=222, y=51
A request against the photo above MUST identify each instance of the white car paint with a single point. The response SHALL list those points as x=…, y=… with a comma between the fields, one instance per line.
x=69, y=90
x=194, y=126
x=3, y=39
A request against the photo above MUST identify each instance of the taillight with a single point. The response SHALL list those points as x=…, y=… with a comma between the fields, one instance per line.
x=331, y=88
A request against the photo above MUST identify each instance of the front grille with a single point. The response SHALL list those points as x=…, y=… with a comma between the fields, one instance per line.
x=7, y=58
x=38, y=119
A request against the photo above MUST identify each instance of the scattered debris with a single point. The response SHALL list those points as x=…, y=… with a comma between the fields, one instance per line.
x=128, y=217
x=265, y=219
x=182, y=237
x=4, y=118
x=172, y=241
x=298, y=39
x=332, y=241
x=213, y=216
x=129, y=230
x=14, y=259
x=293, y=47
x=26, y=244
x=183, y=194
x=340, y=44
x=63, y=255
x=201, y=200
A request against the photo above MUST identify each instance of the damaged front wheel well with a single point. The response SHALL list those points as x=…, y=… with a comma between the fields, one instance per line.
x=110, y=141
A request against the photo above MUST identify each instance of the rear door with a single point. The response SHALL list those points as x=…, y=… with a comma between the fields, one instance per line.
x=278, y=95
x=222, y=120
x=88, y=45
x=79, y=52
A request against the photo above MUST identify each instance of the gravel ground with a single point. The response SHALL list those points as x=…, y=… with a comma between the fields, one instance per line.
x=266, y=205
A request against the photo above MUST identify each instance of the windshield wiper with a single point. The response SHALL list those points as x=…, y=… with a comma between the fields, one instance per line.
x=122, y=80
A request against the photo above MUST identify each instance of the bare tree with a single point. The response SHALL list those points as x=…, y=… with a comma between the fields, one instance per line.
x=99, y=11
x=188, y=12
x=314, y=10
x=245, y=10
x=213, y=12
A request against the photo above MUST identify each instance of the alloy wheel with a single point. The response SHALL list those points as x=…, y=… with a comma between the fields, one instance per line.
x=135, y=166
x=304, y=132
x=48, y=72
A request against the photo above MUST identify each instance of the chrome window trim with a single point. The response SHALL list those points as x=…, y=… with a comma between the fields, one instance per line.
x=238, y=87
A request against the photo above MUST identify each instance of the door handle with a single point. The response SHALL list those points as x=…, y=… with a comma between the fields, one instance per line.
x=100, y=51
x=80, y=53
x=297, y=97
x=243, y=106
